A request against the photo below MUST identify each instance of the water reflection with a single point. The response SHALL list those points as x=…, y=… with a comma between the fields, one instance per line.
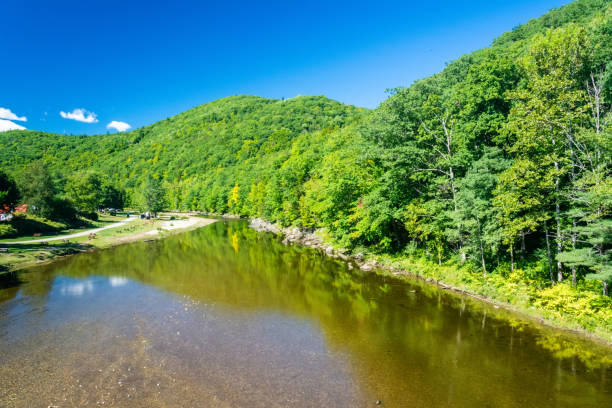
x=116, y=281
x=276, y=318
x=76, y=288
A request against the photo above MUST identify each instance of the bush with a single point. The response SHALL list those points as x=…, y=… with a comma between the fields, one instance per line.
x=7, y=230
x=27, y=224
x=91, y=216
x=62, y=209
x=589, y=309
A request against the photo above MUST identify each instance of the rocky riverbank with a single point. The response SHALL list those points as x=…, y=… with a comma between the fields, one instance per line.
x=294, y=235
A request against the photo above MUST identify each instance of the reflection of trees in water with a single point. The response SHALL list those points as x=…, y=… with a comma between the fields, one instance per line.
x=402, y=339
x=9, y=286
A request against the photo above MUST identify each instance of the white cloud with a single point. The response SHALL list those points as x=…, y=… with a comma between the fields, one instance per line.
x=119, y=126
x=7, y=114
x=8, y=125
x=80, y=115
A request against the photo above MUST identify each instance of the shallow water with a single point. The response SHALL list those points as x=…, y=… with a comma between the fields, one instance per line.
x=225, y=316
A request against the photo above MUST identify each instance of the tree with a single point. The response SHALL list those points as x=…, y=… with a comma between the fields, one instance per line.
x=548, y=110
x=477, y=216
x=9, y=193
x=112, y=197
x=234, y=198
x=85, y=189
x=38, y=189
x=522, y=197
x=153, y=195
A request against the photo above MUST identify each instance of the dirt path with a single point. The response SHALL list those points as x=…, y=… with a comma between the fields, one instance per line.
x=180, y=224
x=75, y=235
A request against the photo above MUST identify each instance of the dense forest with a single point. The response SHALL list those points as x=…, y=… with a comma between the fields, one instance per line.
x=500, y=164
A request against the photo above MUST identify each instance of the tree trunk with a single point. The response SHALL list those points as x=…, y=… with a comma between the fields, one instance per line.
x=512, y=258
x=557, y=210
x=573, y=181
x=605, y=287
x=558, y=221
x=574, y=247
x=456, y=207
x=522, y=244
x=482, y=258
x=550, y=271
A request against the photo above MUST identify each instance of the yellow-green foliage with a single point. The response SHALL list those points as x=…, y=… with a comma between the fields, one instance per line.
x=588, y=309
x=7, y=230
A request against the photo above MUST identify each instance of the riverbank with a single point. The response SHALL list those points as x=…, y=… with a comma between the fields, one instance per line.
x=561, y=306
x=19, y=254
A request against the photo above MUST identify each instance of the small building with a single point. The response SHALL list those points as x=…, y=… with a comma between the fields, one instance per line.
x=21, y=209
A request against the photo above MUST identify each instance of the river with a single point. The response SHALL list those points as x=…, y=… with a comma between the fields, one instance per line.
x=228, y=317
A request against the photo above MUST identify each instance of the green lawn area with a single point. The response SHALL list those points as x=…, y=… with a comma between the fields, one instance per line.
x=15, y=256
x=21, y=255
x=104, y=220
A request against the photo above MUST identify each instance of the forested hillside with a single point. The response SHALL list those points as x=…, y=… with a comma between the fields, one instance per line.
x=500, y=163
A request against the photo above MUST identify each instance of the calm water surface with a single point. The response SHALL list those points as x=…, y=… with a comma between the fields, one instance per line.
x=227, y=317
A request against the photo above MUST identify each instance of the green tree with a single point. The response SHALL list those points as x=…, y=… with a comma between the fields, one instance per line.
x=477, y=216
x=38, y=189
x=153, y=199
x=550, y=108
x=85, y=189
x=112, y=197
x=9, y=193
x=522, y=197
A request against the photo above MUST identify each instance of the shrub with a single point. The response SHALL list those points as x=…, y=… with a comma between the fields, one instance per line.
x=26, y=224
x=589, y=309
x=91, y=215
x=7, y=230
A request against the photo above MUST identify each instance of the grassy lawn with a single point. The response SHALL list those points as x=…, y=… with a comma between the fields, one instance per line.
x=22, y=255
x=104, y=220
x=106, y=238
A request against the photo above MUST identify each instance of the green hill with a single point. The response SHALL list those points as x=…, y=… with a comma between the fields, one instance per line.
x=205, y=147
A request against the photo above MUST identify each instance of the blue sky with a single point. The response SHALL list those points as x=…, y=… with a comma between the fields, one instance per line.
x=137, y=62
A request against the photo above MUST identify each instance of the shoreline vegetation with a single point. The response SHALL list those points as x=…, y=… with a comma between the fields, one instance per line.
x=22, y=255
x=555, y=330
x=448, y=277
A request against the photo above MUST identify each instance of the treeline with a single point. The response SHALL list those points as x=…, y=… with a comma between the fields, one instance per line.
x=52, y=202
x=500, y=163
x=43, y=201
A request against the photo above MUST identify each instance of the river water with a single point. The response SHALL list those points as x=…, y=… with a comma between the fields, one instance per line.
x=227, y=317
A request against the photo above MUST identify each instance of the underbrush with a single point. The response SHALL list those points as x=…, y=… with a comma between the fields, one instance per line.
x=576, y=307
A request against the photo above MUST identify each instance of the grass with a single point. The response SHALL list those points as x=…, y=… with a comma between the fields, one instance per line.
x=18, y=255
x=87, y=225
x=22, y=255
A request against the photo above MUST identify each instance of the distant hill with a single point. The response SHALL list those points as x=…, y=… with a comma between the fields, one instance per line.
x=229, y=133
